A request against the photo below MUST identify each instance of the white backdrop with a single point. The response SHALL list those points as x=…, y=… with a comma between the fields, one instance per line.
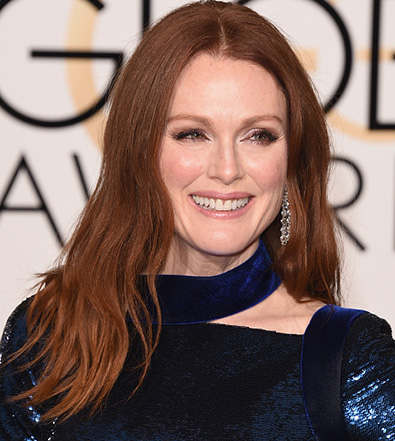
x=56, y=60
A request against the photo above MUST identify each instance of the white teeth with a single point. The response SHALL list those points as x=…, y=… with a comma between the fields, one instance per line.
x=227, y=205
x=220, y=204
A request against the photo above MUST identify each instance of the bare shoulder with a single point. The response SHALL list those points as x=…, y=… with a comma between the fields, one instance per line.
x=280, y=312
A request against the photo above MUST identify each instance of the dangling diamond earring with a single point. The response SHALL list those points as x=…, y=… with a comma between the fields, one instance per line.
x=285, y=219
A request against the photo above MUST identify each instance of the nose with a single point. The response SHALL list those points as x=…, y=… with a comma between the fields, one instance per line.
x=224, y=162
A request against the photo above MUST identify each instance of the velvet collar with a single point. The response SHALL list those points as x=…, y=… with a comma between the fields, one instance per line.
x=191, y=299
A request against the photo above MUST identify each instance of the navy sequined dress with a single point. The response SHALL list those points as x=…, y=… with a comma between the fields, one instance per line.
x=218, y=382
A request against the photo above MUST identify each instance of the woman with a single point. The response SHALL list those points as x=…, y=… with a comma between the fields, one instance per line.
x=214, y=137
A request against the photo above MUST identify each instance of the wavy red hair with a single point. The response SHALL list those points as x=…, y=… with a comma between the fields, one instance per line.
x=79, y=312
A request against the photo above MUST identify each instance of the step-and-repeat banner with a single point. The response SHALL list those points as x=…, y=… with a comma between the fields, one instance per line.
x=57, y=58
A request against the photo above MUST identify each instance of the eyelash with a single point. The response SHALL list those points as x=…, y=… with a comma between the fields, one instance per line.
x=270, y=136
x=198, y=134
x=190, y=134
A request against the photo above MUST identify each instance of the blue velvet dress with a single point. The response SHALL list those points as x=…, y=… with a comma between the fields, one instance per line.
x=218, y=382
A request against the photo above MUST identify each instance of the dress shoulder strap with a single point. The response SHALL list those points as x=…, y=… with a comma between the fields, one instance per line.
x=321, y=361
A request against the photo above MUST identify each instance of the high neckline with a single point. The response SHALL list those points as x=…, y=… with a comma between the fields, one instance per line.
x=194, y=299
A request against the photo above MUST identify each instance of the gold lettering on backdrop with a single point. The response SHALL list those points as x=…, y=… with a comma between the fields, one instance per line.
x=308, y=57
x=80, y=73
x=351, y=128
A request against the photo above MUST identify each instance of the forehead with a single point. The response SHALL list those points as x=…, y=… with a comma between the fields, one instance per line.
x=212, y=82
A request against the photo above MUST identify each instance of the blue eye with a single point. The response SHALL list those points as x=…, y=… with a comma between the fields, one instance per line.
x=192, y=134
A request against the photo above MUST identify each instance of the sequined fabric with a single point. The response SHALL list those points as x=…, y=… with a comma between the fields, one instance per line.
x=369, y=381
x=216, y=382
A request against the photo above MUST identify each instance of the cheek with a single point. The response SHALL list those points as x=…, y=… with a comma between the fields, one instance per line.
x=272, y=172
x=179, y=170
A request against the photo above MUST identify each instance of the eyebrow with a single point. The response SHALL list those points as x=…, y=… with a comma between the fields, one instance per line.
x=206, y=121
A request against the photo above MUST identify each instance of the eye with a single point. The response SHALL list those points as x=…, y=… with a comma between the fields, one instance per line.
x=190, y=134
x=262, y=136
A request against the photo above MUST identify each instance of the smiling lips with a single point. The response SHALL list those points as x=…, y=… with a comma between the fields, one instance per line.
x=220, y=204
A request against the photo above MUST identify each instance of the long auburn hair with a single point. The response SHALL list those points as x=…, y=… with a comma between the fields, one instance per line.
x=77, y=318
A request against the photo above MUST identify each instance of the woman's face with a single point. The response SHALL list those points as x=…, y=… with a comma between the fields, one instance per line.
x=224, y=162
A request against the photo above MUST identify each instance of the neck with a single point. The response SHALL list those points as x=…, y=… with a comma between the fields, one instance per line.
x=187, y=261
x=186, y=299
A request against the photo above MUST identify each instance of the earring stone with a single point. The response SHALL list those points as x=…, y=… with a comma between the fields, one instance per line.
x=285, y=229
